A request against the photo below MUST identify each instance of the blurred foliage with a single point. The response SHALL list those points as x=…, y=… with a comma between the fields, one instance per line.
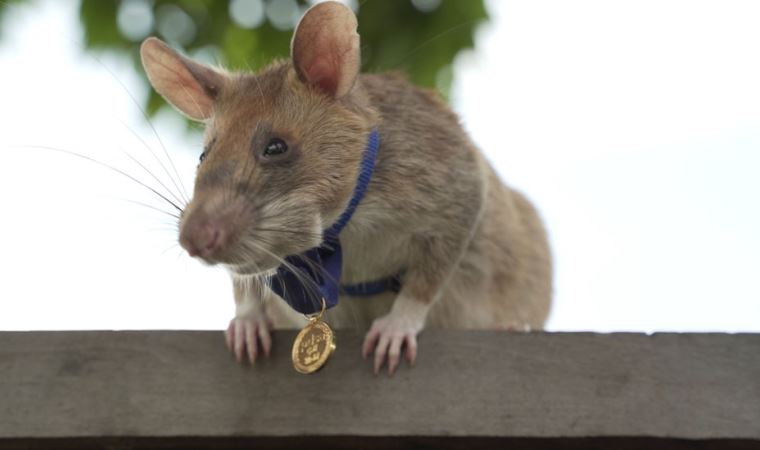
x=419, y=37
x=4, y=6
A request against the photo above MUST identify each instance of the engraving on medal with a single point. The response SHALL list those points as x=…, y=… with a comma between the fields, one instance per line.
x=313, y=345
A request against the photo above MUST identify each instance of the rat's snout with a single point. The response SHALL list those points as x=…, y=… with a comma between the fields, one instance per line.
x=208, y=228
x=203, y=237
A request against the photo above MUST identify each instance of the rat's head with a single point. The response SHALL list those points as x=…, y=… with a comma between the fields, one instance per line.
x=282, y=147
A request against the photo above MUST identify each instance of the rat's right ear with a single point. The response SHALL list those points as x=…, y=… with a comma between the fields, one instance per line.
x=325, y=48
x=189, y=86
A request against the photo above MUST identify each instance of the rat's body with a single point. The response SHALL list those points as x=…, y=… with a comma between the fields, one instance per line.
x=282, y=158
x=437, y=190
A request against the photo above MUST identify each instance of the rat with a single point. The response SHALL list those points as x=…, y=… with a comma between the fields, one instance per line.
x=283, y=156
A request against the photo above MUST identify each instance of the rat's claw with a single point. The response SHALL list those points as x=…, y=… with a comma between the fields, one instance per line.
x=266, y=340
x=250, y=342
x=245, y=334
x=239, y=344
x=411, y=349
x=228, y=335
x=394, y=353
x=370, y=341
x=388, y=337
x=380, y=352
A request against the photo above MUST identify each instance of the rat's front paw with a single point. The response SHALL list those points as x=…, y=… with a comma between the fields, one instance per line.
x=387, y=336
x=245, y=335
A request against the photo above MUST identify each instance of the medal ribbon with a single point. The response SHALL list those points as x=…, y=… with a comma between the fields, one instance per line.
x=321, y=266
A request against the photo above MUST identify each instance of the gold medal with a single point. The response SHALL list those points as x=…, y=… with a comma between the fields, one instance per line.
x=313, y=345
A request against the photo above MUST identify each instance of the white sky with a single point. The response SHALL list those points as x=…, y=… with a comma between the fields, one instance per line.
x=635, y=127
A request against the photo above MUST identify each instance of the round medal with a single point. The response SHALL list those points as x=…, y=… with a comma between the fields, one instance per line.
x=313, y=346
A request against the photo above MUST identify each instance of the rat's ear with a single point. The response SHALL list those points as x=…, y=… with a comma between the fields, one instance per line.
x=189, y=86
x=325, y=48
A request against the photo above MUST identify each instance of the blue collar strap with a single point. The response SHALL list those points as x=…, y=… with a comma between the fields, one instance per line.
x=362, y=183
x=392, y=284
x=319, y=269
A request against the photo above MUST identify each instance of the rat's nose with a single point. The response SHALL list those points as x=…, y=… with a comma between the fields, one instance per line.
x=202, y=238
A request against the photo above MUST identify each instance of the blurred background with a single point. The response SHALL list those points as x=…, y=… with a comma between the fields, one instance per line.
x=634, y=127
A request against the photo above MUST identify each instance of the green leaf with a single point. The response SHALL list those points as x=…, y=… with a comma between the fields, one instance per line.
x=395, y=36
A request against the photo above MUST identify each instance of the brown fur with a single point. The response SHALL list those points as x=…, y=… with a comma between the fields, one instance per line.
x=474, y=252
x=431, y=193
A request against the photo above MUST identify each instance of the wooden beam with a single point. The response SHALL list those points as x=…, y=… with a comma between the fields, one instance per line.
x=169, y=389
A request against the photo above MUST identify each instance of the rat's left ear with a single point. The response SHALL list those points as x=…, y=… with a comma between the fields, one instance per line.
x=325, y=48
x=190, y=86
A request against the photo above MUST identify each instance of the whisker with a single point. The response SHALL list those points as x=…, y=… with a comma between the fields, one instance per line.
x=155, y=156
x=181, y=186
x=192, y=97
x=158, y=230
x=102, y=164
x=171, y=247
x=136, y=161
x=312, y=265
x=176, y=216
x=286, y=231
x=316, y=268
x=310, y=288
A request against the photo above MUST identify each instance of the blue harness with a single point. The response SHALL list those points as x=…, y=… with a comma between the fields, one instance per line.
x=319, y=269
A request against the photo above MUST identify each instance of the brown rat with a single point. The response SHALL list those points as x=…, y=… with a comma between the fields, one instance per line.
x=281, y=160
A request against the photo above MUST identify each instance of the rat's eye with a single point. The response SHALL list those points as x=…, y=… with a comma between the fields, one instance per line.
x=203, y=156
x=276, y=146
